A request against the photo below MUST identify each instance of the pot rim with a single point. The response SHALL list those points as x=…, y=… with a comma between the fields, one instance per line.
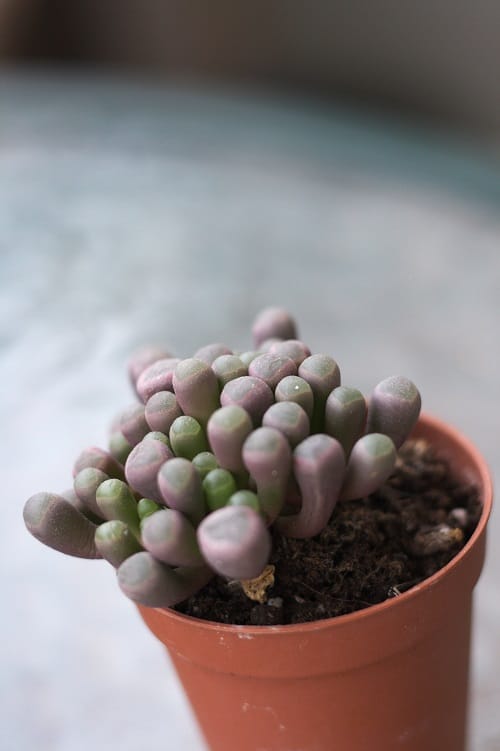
x=485, y=485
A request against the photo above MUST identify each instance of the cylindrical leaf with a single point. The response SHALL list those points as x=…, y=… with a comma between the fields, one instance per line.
x=227, y=429
x=318, y=467
x=119, y=447
x=85, y=486
x=323, y=375
x=157, y=377
x=187, y=437
x=290, y=419
x=99, y=459
x=204, y=462
x=267, y=344
x=227, y=368
x=133, y=424
x=70, y=496
x=273, y=323
x=146, y=507
x=171, y=538
x=293, y=348
x=245, y=498
x=115, y=542
x=272, y=368
x=235, y=542
x=247, y=357
x=55, y=522
x=219, y=485
x=180, y=486
x=371, y=462
x=157, y=435
x=294, y=389
x=394, y=408
x=345, y=416
x=211, y=352
x=268, y=458
x=149, y=582
x=196, y=388
x=116, y=501
x=161, y=410
x=252, y=394
x=143, y=465
x=144, y=357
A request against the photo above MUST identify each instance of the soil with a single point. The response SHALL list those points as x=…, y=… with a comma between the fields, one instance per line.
x=373, y=548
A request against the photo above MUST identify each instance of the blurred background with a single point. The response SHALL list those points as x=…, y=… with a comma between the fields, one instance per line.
x=436, y=60
x=166, y=170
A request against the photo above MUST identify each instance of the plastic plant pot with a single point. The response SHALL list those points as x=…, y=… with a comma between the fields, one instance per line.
x=391, y=676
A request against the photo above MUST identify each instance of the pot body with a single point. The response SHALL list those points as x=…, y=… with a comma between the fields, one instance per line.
x=391, y=677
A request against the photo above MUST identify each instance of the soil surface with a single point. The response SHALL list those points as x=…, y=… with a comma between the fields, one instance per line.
x=372, y=549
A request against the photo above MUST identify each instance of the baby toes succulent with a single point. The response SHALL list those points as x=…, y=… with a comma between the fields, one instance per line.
x=220, y=450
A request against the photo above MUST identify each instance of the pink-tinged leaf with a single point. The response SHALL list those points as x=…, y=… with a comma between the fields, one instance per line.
x=370, y=464
x=268, y=458
x=149, y=582
x=57, y=523
x=273, y=323
x=235, y=542
x=318, y=467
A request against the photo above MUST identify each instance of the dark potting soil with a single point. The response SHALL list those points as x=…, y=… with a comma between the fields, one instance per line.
x=373, y=548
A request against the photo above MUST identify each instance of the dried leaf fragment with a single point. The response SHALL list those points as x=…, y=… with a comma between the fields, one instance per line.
x=256, y=589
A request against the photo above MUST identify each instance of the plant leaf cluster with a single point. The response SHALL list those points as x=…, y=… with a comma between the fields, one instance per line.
x=215, y=450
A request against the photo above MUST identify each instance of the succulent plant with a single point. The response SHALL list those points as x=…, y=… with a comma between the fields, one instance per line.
x=218, y=449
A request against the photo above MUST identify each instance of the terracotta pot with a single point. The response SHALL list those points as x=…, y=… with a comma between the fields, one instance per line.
x=392, y=676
